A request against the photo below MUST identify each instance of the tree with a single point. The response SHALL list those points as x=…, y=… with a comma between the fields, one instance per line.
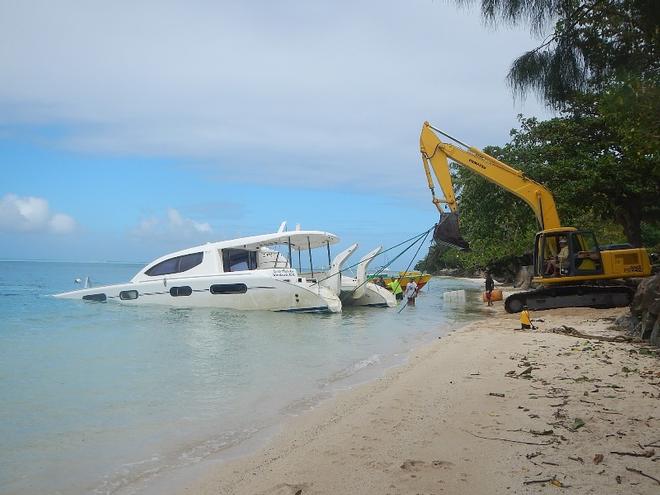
x=600, y=68
x=591, y=44
x=587, y=164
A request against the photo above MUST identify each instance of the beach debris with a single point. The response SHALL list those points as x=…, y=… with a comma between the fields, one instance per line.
x=576, y=459
x=598, y=458
x=496, y=394
x=633, y=470
x=508, y=439
x=542, y=432
x=572, y=332
x=647, y=453
x=577, y=424
x=553, y=481
x=559, y=414
x=618, y=479
x=526, y=373
x=411, y=465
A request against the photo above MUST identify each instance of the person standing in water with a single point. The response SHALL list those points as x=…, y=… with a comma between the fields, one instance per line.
x=395, y=288
x=411, y=292
x=490, y=285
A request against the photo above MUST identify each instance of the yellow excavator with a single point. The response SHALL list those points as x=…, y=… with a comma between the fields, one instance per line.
x=570, y=268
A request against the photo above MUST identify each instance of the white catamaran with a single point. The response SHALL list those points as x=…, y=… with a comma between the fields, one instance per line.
x=245, y=273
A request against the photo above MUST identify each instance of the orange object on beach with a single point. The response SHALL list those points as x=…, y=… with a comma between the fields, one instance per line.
x=496, y=295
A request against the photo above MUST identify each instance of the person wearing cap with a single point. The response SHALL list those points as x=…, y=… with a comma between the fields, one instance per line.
x=561, y=261
x=525, y=320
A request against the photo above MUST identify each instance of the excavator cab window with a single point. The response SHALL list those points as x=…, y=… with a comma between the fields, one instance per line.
x=564, y=254
x=555, y=254
x=587, y=254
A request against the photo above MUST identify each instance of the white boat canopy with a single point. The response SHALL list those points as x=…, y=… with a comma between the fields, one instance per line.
x=298, y=239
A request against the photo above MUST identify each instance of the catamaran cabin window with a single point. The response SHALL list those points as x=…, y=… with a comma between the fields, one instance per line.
x=228, y=289
x=181, y=291
x=176, y=265
x=95, y=297
x=236, y=260
x=128, y=295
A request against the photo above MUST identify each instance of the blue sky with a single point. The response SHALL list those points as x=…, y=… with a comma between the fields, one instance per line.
x=128, y=130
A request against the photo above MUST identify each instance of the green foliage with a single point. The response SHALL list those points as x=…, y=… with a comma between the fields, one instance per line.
x=651, y=237
x=591, y=44
x=586, y=159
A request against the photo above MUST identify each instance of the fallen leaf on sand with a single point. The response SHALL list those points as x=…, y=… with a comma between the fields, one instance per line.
x=579, y=423
x=598, y=458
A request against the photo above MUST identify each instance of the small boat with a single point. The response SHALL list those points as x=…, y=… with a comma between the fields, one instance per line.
x=245, y=273
x=421, y=279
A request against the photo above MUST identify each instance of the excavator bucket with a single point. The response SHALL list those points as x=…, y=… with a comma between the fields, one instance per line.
x=447, y=232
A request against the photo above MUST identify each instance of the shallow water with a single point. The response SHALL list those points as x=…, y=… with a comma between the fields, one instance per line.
x=101, y=398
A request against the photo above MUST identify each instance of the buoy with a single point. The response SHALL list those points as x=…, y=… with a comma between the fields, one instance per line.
x=496, y=295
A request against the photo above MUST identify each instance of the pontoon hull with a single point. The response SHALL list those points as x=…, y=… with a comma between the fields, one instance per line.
x=373, y=295
x=248, y=291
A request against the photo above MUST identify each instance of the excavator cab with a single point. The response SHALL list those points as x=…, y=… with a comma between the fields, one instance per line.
x=560, y=253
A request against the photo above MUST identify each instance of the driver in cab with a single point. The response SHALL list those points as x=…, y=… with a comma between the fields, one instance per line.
x=560, y=263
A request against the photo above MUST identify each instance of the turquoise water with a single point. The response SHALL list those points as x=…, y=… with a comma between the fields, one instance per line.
x=102, y=398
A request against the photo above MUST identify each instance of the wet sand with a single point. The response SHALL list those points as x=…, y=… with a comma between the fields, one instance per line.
x=488, y=409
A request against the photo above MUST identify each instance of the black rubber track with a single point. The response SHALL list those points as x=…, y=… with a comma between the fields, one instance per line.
x=591, y=296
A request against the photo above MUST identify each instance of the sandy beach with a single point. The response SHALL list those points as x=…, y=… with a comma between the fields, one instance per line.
x=488, y=409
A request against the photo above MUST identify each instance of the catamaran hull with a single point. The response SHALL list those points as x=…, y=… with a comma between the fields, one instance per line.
x=373, y=295
x=218, y=291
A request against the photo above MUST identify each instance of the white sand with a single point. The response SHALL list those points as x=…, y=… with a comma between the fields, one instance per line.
x=417, y=429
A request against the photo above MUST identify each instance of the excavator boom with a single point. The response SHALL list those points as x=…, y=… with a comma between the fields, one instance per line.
x=436, y=154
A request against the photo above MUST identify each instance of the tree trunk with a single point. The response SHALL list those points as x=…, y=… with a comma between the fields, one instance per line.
x=630, y=218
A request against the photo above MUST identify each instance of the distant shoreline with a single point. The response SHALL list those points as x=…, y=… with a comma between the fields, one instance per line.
x=75, y=262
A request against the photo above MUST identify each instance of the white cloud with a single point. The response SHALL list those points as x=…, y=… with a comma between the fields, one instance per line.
x=32, y=214
x=61, y=223
x=324, y=92
x=178, y=222
x=171, y=226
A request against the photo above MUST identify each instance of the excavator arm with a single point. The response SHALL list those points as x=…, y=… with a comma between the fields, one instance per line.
x=436, y=155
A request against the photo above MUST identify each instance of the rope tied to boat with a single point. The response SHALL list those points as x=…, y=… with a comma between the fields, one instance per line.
x=411, y=260
x=415, y=239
